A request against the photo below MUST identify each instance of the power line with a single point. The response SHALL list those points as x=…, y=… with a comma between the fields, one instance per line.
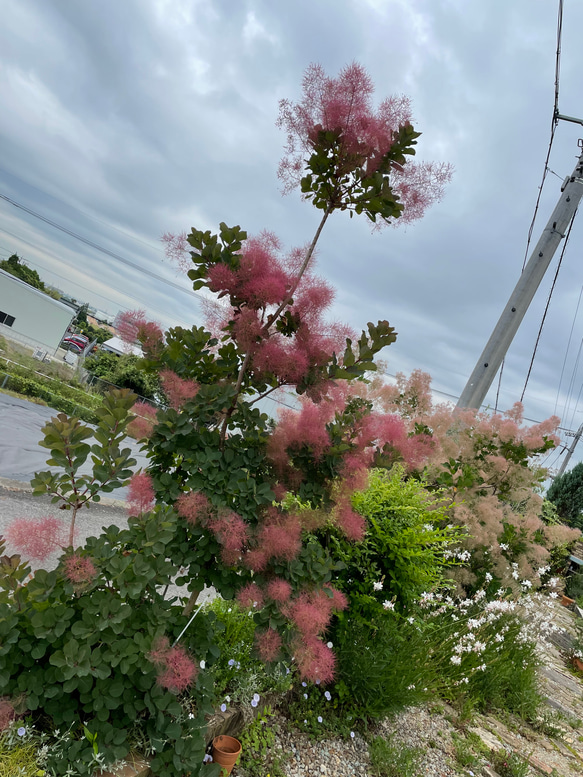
x=80, y=285
x=148, y=244
x=103, y=250
x=546, y=310
x=554, y=122
x=567, y=349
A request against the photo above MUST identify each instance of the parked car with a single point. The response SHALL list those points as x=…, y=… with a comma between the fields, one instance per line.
x=70, y=344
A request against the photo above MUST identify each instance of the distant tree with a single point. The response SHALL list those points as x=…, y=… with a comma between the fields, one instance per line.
x=566, y=493
x=124, y=371
x=15, y=266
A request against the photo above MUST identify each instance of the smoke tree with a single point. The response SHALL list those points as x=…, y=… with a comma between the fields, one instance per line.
x=488, y=465
x=213, y=454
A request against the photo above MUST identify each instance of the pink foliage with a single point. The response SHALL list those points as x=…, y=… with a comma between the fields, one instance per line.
x=311, y=611
x=37, y=538
x=345, y=104
x=279, y=590
x=133, y=326
x=177, y=389
x=177, y=250
x=141, y=496
x=193, y=506
x=350, y=522
x=231, y=531
x=315, y=660
x=177, y=670
x=79, y=569
x=256, y=559
x=268, y=644
x=280, y=536
x=310, y=614
x=142, y=425
x=250, y=596
x=247, y=329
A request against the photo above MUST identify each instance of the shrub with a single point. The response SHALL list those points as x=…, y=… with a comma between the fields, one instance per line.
x=408, y=545
x=574, y=585
x=234, y=667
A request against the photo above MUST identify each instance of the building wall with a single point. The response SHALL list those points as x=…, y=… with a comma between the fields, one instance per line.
x=28, y=313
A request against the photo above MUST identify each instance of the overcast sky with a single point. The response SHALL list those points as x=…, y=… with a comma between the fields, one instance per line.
x=123, y=119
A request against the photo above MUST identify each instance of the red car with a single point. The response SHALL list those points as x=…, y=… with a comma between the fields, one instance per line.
x=73, y=343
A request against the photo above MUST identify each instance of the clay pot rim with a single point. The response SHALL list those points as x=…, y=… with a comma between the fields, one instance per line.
x=217, y=746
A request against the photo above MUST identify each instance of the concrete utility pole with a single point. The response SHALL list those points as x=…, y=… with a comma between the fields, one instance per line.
x=571, y=450
x=489, y=362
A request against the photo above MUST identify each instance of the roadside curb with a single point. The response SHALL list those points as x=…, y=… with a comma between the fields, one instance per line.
x=23, y=486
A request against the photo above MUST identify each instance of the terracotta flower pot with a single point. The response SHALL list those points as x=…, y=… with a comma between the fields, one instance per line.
x=578, y=664
x=566, y=602
x=225, y=752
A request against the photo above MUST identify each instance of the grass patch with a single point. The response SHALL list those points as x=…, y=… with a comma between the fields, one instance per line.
x=389, y=759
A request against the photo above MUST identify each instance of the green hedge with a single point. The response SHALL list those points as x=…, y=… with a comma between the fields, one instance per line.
x=59, y=396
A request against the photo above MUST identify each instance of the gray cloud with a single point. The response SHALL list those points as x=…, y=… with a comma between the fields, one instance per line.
x=144, y=116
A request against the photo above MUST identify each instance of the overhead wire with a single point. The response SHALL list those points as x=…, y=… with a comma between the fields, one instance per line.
x=546, y=169
x=546, y=310
x=102, y=249
x=567, y=349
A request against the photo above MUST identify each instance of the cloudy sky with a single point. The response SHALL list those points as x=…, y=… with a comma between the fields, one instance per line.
x=123, y=119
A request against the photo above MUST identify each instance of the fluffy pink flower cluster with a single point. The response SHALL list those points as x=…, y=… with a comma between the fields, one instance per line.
x=37, y=538
x=79, y=569
x=141, y=496
x=177, y=670
x=177, y=389
x=133, y=327
x=143, y=422
x=345, y=104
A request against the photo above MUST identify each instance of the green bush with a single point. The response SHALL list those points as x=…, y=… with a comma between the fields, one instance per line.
x=407, y=548
x=236, y=671
x=469, y=652
x=574, y=585
x=56, y=393
x=380, y=665
x=125, y=371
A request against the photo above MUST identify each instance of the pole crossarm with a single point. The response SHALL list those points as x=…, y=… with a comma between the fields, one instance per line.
x=489, y=362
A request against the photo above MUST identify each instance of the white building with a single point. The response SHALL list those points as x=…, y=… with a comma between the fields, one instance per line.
x=31, y=317
x=117, y=346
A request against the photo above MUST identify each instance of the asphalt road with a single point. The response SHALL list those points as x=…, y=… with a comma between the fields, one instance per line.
x=20, y=431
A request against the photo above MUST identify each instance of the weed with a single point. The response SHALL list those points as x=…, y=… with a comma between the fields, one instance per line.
x=509, y=764
x=389, y=759
x=257, y=755
x=464, y=753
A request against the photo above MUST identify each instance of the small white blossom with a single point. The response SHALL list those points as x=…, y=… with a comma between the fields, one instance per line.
x=388, y=605
x=378, y=586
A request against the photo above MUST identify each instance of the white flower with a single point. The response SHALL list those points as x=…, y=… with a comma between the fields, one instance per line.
x=456, y=660
x=329, y=645
x=411, y=687
x=202, y=664
x=554, y=595
x=503, y=546
x=378, y=586
x=488, y=577
x=526, y=583
x=388, y=605
x=515, y=574
x=411, y=619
